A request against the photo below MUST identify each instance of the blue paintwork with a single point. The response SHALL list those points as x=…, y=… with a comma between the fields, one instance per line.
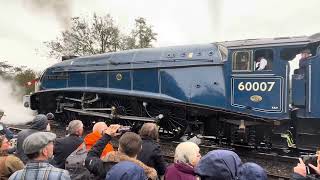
x=141, y=83
x=123, y=81
x=298, y=88
x=271, y=96
x=195, y=75
x=311, y=80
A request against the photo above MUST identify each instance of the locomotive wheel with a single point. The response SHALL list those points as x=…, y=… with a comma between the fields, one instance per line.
x=129, y=108
x=173, y=124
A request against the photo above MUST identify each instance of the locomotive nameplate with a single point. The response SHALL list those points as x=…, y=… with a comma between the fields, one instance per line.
x=257, y=93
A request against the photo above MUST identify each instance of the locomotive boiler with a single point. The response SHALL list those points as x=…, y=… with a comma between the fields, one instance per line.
x=236, y=92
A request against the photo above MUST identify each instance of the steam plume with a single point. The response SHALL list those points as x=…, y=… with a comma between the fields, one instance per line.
x=14, y=111
x=60, y=8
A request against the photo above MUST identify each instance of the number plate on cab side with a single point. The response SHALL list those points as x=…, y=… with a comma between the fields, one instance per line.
x=257, y=93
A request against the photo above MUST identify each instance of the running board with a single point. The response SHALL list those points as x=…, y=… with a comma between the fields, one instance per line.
x=110, y=116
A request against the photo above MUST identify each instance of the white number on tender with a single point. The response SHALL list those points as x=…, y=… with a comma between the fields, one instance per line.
x=256, y=86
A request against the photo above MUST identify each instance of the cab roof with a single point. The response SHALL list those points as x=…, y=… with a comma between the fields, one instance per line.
x=268, y=42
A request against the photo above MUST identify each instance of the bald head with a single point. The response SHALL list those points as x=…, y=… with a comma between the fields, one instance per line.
x=99, y=127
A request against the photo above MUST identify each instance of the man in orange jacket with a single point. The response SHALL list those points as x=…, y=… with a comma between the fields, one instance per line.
x=96, y=134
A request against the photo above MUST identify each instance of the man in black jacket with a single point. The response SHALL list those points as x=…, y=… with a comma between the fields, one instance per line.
x=151, y=154
x=63, y=147
x=39, y=123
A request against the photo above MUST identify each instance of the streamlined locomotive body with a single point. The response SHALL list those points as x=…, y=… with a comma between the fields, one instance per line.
x=246, y=92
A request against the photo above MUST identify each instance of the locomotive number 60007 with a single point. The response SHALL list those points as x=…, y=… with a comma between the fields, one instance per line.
x=255, y=86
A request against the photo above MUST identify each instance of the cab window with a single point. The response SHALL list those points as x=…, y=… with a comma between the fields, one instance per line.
x=241, y=61
x=263, y=59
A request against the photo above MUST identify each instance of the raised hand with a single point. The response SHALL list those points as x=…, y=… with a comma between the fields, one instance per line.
x=112, y=130
x=300, y=168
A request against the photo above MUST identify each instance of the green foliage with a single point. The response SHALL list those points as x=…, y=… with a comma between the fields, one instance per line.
x=99, y=35
x=143, y=34
x=19, y=76
x=24, y=76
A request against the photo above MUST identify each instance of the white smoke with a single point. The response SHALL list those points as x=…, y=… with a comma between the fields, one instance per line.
x=61, y=9
x=15, y=112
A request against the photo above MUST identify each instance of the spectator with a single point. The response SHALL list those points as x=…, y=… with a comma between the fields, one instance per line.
x=63, y=147
x=151, y=154
x=39, y=123
x=39, y=149
x=218, y=165
x=3, y=128
x=129, y=147
x=92, y=138
x=126, y=170
x=300, y=171
x=252, y=171
x=261, y=64
x=8, y=163
x=187, y=156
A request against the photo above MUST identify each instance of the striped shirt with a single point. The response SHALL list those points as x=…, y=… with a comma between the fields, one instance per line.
x=40, y=170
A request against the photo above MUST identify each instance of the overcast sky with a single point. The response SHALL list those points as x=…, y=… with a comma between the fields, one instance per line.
x=25, y=24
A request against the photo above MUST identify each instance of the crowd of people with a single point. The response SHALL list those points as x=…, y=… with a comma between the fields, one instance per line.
x=40, y=155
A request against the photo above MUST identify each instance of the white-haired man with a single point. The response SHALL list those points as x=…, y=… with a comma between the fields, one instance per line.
x=187, y=156
x=63, y=147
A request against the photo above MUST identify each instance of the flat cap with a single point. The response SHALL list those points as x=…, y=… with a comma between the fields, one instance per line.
x=36, y=141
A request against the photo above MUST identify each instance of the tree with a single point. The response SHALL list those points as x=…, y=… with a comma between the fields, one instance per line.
x=18, y=76
x=99, y=35
x=24, y=76
x=84, y=38
x=143, y=34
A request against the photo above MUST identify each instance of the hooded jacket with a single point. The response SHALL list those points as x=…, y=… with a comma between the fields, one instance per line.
x=218, y=165
x=252, y=171
x=116, y=157
x=126, y=170
x=39, y=123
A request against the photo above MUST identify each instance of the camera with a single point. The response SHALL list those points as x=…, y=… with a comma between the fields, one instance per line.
x=124, y=129
x=310, y=159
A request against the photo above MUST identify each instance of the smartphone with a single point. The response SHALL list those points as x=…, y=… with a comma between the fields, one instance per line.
x=124, y=129
x=310, y=159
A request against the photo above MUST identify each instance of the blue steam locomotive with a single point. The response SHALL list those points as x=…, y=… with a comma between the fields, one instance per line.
x=247, y=92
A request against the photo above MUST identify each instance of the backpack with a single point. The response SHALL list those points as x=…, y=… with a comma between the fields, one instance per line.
x=75, y=164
